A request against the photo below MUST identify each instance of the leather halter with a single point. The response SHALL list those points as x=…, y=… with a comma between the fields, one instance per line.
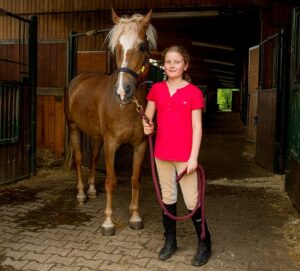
x=132, y=72
x=127, y=70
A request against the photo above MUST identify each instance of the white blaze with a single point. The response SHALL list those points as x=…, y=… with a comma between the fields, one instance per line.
x=127, y=43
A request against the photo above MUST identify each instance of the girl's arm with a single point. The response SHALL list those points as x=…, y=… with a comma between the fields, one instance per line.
x=196, y=141
x=150, y=111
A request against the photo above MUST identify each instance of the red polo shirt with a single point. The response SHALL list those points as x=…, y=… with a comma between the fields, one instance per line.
x=174, y=120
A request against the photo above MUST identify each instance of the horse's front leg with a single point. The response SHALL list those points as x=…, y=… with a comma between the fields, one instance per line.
x=110, y=148
x=136, y=222
x=96, y=143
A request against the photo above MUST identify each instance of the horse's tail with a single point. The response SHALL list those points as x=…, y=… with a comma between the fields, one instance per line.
x=66, y=103
x=69, y=161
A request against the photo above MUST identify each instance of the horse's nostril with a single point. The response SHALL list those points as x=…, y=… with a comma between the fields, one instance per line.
x=128, y=89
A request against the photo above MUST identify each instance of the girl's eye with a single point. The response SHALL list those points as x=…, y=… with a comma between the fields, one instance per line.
x=174, y=62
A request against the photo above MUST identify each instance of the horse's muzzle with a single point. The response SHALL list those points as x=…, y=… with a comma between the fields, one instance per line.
x=125, y=92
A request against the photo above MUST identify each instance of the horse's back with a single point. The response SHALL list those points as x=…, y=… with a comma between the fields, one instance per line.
x=87, y=81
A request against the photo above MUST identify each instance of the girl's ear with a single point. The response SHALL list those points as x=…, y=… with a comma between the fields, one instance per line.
x=186, y=66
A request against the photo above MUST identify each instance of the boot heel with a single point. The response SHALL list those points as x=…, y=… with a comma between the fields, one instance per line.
x=204, y=246
x=203, y=254
x=169, y=247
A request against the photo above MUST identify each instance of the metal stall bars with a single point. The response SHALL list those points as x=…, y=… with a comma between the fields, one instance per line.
x=18, y=58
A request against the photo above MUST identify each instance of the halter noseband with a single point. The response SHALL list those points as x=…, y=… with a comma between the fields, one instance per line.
x=127, y=70
x=132, y=72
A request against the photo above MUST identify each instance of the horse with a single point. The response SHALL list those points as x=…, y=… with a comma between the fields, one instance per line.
x=104, y=107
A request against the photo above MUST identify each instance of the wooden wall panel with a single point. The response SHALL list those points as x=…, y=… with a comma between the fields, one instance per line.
x=50, y=124
x=251, y=115
x=57, y=18
x=253, y=75
x=10, y=56
x=50, y=103
x=92, y=61
x=33, y=6
x=52, y=65
x=265, y=145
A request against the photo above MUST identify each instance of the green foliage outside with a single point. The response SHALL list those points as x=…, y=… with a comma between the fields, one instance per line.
x=224, y=99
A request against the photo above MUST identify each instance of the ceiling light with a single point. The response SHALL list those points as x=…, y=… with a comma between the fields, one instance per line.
x=213, y=45
x=184, y=14
x=224, y=77
x=219, y=62
x=226, y=81
x=221, y=71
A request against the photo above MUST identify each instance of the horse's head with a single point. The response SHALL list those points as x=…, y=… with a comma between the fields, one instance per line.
x=130, y=40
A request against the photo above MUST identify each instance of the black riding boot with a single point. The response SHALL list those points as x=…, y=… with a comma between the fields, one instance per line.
x=204, y=246
x=170, y=245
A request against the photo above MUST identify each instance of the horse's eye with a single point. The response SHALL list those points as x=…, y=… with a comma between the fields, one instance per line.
x=143, y=47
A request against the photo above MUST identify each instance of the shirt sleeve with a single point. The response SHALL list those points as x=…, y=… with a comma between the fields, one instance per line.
x=152, y=93
x=197, y=99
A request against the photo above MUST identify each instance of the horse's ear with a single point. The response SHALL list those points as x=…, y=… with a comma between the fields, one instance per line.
x=115, y=17
x=146, y=20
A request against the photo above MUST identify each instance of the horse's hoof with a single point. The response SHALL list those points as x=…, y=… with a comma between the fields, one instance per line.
x=92, y=192
x=136, y=225
x=92, y=195
x=108, y=231
x=81, y=199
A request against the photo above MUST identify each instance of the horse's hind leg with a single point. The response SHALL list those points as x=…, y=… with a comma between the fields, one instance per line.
x=136, y=222
x=96, y=143
x=75, y=138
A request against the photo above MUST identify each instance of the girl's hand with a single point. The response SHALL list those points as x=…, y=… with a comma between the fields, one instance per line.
x=191, y=165
x=148, y=128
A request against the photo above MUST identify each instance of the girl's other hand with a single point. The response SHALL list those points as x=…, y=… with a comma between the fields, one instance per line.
x=148, y=128
x=191, y=165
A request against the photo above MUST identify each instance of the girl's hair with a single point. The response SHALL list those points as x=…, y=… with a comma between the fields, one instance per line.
x=182, y=51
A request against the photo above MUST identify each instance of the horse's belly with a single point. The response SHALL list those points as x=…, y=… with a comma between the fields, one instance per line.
x=87, y=123
x=86, y=117
x=130, y=135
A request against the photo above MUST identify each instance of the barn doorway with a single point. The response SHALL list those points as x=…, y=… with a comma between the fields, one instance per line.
x=228, y=99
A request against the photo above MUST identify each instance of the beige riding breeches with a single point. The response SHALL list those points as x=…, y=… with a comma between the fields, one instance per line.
x=167, y=178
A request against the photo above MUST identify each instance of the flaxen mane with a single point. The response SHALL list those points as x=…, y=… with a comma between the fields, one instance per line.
x=132, y=27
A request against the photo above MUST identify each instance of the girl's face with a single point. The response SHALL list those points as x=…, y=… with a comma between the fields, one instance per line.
x=174, y=65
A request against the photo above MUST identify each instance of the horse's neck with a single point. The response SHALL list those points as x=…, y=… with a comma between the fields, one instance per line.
x=141, y=93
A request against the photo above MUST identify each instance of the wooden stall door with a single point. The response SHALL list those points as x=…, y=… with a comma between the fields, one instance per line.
x=17, y=96
x=265, y=141
x=293, y=154
x=14, y=131
x=253, y=81
x=266, y=105
x=50, y=97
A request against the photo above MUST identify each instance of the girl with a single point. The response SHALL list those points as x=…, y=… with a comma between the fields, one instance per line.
x=178, y=104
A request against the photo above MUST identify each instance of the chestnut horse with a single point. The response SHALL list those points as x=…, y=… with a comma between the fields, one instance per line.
x=102, y=107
